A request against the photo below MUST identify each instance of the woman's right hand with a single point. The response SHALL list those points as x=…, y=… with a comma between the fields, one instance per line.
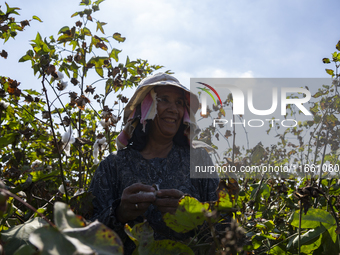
x=135, y=201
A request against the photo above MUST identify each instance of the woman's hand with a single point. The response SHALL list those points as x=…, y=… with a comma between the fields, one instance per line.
x=135, y=201
x=167, y=200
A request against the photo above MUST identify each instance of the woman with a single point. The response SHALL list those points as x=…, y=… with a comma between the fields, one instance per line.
x=153, y=153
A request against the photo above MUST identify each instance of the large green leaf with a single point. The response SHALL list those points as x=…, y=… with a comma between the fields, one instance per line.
x=118, y=37
x=98, y=63
x=142, y=235
x=311, y=239
x=64, y=218
x=100, y=26
x=313, y=218
x=7, y=139
x=330, y=71
x=51, y=241
x=141, y=232
x=166, y=247
x=37, y=18
x=224, y=203
x=114, y=54
x=95, y=237
x=16, y=236
x=70, y=237
x=188, y=216
x=26, y=249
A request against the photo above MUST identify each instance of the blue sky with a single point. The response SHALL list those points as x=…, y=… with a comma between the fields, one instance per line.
x=258, y=38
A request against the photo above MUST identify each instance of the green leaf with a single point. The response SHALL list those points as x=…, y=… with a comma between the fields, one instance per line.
x=142, y=235
x=100, y=26
x=63, y=30
x=311, y=237
x=168, y=247
x=98, y=63
x=98, y=2
x=114, y=54
x=32, y=92
x=313, y=218
x=74, y=14
x=64, y=218
x=37, y=18
x=26, y=249
x=329, y=247
x=71, y=238
x=25, y=58
x=117, y=37
x=86, y=31
x=277, y=251
x=337, y=46
x=96, y=237
x=326, y=60
x=332, y=233
x=85, y=2
x=18, y=235
x=39, y=175
x=37, y=39
x=330, y=72
x=12, y=9
x=188, y=216
x=42, y=239
x=108, y=87
x=224, y=203
x=309, y=248
x=7, y=139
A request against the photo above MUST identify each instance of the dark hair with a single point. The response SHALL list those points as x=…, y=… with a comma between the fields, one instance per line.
x=139, y=138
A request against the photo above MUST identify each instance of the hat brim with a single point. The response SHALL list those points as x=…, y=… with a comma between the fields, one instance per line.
x=144, y=88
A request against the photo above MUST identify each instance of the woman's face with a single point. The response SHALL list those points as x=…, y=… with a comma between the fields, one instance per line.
x=170, y=111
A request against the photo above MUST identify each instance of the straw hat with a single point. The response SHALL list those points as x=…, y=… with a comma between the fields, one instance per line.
x=156, y=80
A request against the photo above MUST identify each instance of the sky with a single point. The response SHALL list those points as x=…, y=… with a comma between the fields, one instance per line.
x=257, y=38
x=197, y=39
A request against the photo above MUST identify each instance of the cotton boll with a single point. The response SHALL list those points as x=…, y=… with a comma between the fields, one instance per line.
x=104, y=123
x=96, y=161
x=61, y=189
x=68, y=139
x=3, y=105
x=60, y=76
x=35, y=163
x=68, y=136
x=98, y=145
x=67, y=150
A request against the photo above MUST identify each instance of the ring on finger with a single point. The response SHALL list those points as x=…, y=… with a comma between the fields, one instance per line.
x=136, y=205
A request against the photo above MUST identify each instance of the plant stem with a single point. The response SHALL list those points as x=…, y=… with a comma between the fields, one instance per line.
x=300, y=219
x=55, y=138
x=27, y=205
x=322, y=161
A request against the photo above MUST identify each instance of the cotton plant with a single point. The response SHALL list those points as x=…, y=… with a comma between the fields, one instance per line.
x=61, y=188
x=59, y=76
x=36, y=163
x=67, y=139
x=98, y=145
x=3, y=105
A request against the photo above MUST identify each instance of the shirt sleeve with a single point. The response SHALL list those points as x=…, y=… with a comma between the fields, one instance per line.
x=207, y=186
x=106, y=199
